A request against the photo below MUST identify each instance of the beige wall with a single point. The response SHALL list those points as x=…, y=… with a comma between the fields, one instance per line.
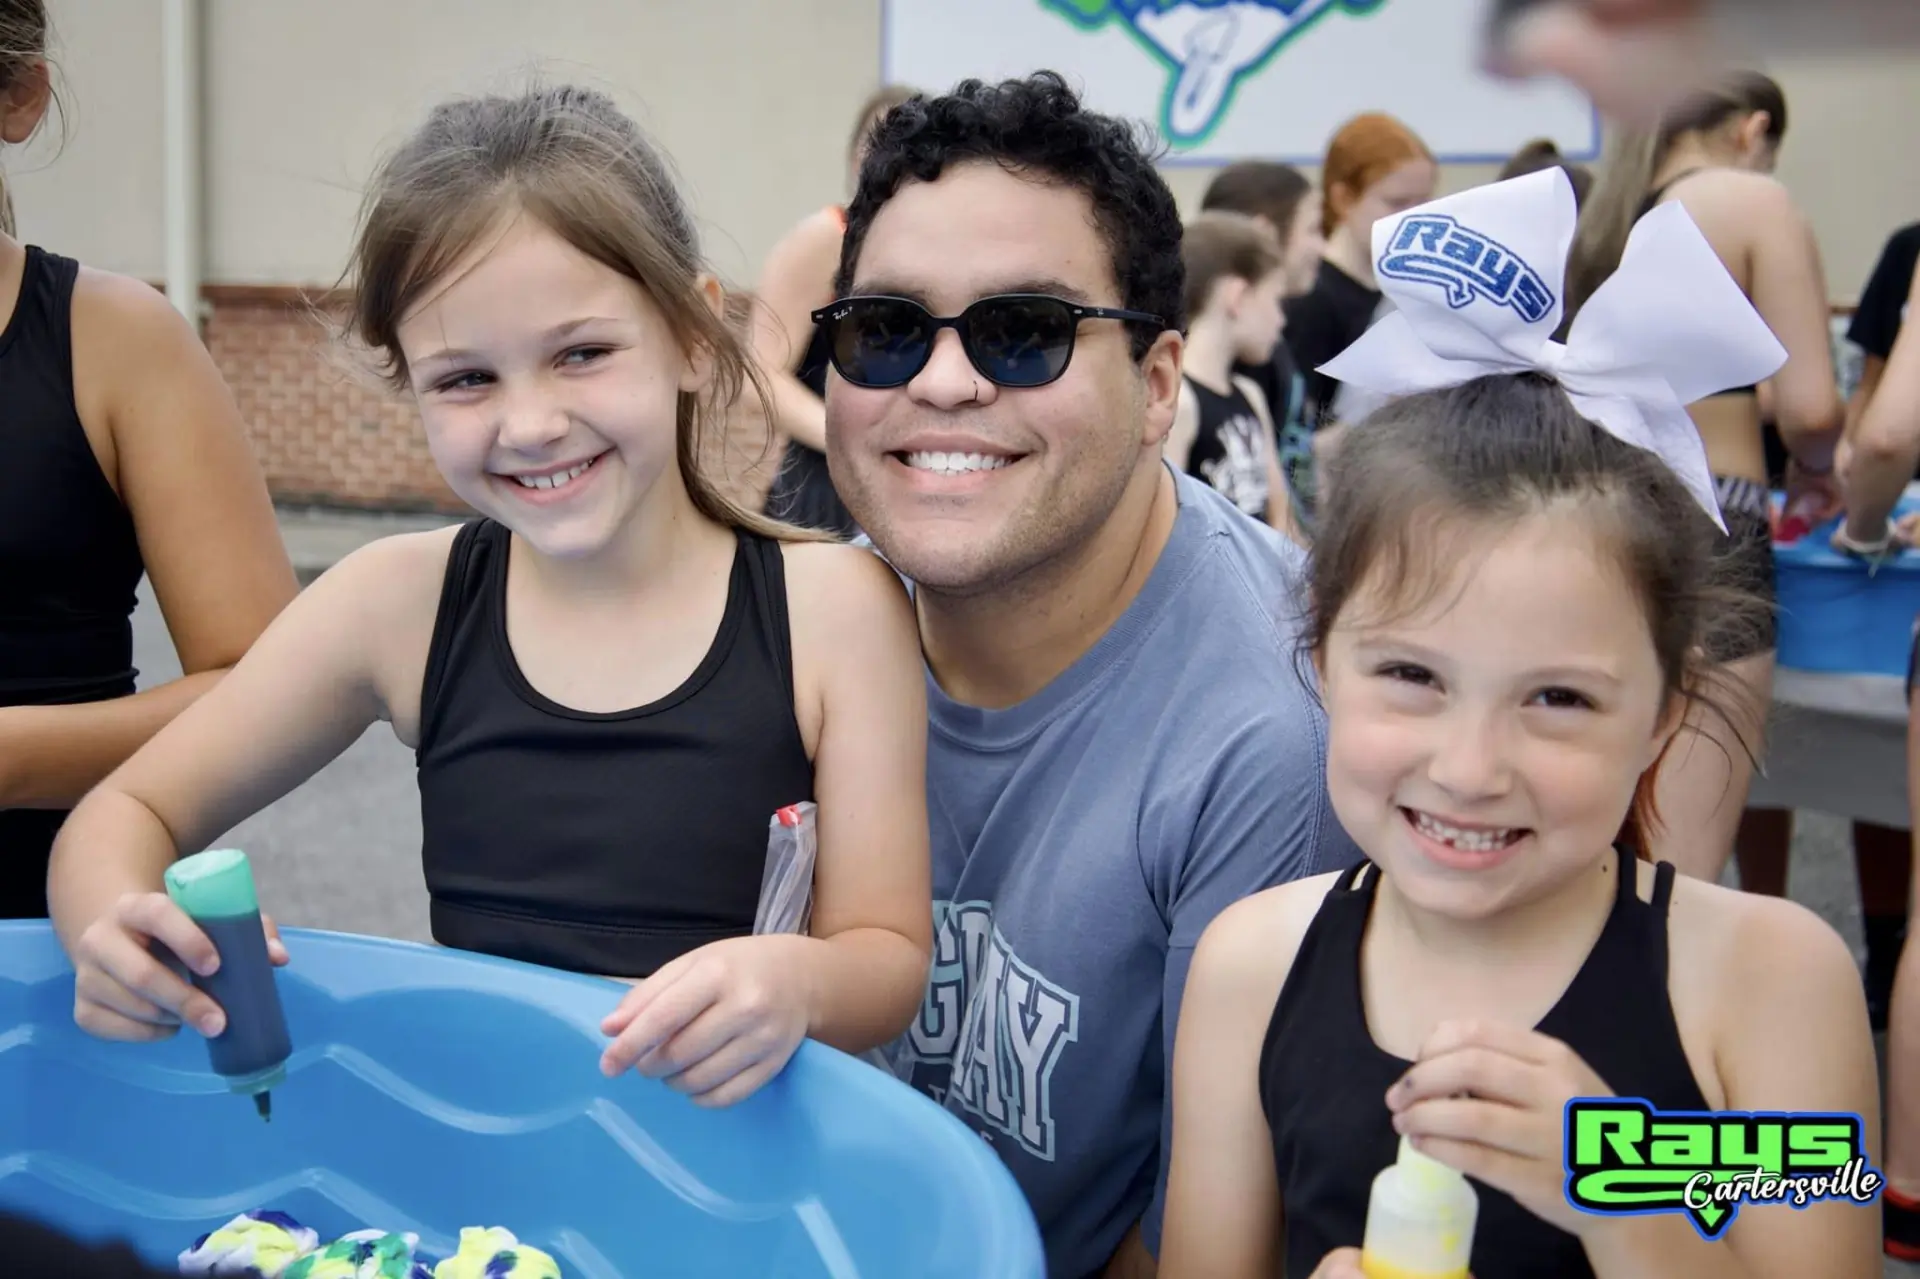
x=753, y=99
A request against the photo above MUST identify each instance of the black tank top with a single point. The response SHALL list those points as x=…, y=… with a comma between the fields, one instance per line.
x=1659, y=193
x=69, y=561
x=602, y=843
x=1323, y=1081
x=1228, y=448
x=803, y=491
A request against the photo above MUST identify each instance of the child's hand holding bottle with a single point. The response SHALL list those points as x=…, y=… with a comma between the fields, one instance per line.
x=124, y=990
x=1490, y=1100
x=718, y=1022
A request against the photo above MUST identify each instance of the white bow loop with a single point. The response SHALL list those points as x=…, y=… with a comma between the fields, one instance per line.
x=1477, y=280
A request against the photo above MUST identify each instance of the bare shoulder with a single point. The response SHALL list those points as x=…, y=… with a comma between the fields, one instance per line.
x=834, y=588
x=1713, y=925
x=1250, y=946
x=831, y=566
x=123, y=327
x=1712, y=185
x=408, y=555
x=1735, y=199
x=392, y=580
x=811, y=246
x=855, y=643
x=1740, y=951
x=1774, y=933
x=107, y=297
x=387, y=593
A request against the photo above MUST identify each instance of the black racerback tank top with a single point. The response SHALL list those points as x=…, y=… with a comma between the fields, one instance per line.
x=70, y=563
x=605, y=843
x=1659, y=193
x=1229, y=448
x=1323, y=1080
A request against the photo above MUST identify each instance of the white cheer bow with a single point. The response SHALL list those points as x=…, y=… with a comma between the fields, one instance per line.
x=1477, y=279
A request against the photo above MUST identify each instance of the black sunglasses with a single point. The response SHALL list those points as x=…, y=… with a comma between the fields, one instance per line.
x=1013, y=339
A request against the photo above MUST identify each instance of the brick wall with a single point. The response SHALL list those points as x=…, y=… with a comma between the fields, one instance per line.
x=325, y=433
x=328, y=433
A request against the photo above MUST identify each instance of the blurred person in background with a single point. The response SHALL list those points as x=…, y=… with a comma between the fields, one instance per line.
x=124, y=456
x=1873, y=466
x=1877, y=460
x=1714, y=153
x=1375, y=166
x=1222, y=426
x=797, y=278
x=1280, y=197
x=1544, y=153
x=1637, y=58
x=743, y=459
x=1883, y=417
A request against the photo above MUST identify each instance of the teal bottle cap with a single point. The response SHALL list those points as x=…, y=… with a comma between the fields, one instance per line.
x=216, y=884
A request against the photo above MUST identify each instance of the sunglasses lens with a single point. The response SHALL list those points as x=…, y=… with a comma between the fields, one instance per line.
x=1021, y=341
x=879, y=341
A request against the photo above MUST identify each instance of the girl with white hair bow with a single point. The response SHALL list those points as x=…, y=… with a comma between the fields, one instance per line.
x=1510, y=584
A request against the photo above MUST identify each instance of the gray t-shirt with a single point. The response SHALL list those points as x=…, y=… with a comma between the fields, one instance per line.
x=1083, y=839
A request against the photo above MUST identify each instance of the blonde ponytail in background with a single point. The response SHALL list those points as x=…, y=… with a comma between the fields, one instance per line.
x=1627, y=169
x=1634, y=157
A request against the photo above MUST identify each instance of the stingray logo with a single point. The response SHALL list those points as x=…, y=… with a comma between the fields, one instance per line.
x=1210, y=46
x=1432, y=248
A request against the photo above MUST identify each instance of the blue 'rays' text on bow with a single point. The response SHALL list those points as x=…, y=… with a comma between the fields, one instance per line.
x=1432, y=248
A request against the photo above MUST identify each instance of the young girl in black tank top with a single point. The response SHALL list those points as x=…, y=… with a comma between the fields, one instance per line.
x=1222, y=431
x=797, y=278
x=613, y=678
x=122, y=455
x=1507, y=600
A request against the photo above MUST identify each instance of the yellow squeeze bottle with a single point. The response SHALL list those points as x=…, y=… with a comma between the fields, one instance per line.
x=1419, y=1221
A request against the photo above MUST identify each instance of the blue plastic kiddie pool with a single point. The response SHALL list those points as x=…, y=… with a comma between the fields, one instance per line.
x=1835, y=617
x=433, y=1089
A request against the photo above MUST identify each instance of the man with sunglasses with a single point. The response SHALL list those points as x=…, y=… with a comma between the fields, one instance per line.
x=1122, y=741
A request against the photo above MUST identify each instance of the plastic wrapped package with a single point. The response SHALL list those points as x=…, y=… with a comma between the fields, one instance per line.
x=786, y=886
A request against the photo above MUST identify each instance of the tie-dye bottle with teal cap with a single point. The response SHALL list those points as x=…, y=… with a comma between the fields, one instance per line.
x=216, y=890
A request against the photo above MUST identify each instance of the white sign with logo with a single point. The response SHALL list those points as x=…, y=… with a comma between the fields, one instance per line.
x=1225, y=80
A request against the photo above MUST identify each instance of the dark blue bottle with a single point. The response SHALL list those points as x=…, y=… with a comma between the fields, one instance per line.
x=216, y=890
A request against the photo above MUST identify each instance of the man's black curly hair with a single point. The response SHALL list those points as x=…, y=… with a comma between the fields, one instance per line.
x=1037, y=127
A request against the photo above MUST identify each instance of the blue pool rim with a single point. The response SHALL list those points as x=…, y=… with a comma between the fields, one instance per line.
x=1005, y=1240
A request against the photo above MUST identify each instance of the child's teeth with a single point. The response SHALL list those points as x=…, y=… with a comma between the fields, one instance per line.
x=555, y=480
x=1472, y=841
